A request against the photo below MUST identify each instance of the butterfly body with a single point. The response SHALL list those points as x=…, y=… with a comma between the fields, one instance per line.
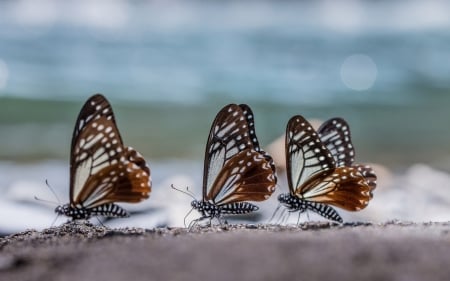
x=82, y=213
x=102, y=169
x=212, y=210
x=296, y=204
x=236, y=169
x=321, y=172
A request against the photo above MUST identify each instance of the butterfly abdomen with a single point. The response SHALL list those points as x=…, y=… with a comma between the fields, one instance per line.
x=211, y=210
x=324, y=210
x=109, y=210
x=208, y=209
x=292, y=203
x=82, y=213
x=75, y=213
x=238, y=208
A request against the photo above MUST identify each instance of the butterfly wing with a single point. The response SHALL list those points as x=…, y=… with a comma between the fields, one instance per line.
x=228, y=136
x=343, y=187
x=248, y=114
x=335, y=135
x=369, y=174
x=248, y=176
x=306, y=155
x=102, y=169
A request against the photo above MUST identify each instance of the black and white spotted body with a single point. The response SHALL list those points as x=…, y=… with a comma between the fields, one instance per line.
x=296, y=204
x=212, y=210
x=83, y=213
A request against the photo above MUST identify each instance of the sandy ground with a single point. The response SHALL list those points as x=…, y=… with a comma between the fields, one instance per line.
x=312, y=251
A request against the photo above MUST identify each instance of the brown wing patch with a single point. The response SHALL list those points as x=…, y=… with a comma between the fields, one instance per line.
x=126, y=181
x=248, y=176
x=229, y=134
x=343, y=187
x=369, y=174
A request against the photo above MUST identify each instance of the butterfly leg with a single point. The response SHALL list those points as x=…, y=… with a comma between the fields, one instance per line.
x=281, y=217
x=298, y=219
x=221, y=222
x=210, y=221
x=98, y=219
x=274, y=213
x=185, y=217
x=57, y=216
x=191, y=225
x=195, y=222
x=286, y=217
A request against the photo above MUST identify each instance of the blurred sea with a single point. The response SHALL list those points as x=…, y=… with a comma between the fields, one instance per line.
x=167, y=67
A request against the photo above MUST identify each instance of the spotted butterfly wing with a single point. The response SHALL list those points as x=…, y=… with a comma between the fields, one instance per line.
x=236, y=169
x=312, y=172
x=344, y=187
x=252, y=134
x=369, y=174
x=306, y=156
x=232, y=137
x=335, y=135
x=102, y=169
x=248, y=176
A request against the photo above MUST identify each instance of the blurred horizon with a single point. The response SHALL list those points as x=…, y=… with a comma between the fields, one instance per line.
x=167, y=67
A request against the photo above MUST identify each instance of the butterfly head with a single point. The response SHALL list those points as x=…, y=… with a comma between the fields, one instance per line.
x=74, y=213
x=284, y=199
x=206, y=208
x=292, y=202
x=196, y=204
x=62, y=209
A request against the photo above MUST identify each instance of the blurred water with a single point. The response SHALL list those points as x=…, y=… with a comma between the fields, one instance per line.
x=189, y=52
x=169, y=66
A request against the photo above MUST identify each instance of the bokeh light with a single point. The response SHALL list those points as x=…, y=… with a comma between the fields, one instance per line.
x=359, y=72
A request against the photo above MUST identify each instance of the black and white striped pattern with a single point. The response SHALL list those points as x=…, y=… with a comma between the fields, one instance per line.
x=211, y=210
x=82, y=213
x=296, y=204
x=335, y=135
x=306, y=156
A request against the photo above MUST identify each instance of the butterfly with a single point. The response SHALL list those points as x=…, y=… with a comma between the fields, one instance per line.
x=236, y=169
x=102, y=169
x=321, y=172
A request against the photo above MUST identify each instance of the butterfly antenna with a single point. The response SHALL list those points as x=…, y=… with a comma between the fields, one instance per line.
x=45, y=201
x=187, y=192
x=190, y=192
x=57, y=216
x=53, y=191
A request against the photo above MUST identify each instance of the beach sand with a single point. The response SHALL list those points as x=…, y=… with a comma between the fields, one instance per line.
x=312, y=251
